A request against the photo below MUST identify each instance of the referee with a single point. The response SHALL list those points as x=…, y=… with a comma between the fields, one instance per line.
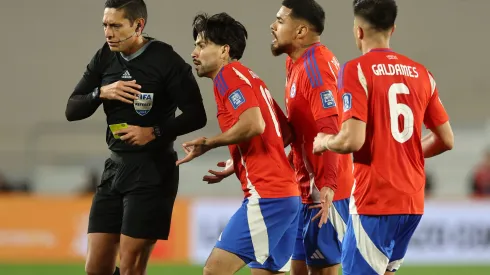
x=140, y=82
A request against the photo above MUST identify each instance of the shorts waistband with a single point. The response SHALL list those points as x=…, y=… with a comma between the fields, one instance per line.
x=133, y=157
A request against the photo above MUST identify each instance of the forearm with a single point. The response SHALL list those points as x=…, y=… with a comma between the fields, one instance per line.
x=432, y=146
x=81, y=106
x=240, y=132
x=340, y=144
x=191, y=119
x=330, y=126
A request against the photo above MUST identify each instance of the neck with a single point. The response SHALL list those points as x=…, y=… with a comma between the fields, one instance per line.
x=371, y=44
x=297, y=52
x=140, y=42
x=215, y=73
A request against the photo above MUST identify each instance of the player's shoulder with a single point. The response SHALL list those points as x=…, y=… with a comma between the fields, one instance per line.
x=236, y=74
x=318, y=62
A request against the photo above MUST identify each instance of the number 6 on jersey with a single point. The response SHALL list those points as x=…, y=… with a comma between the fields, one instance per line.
x=400, y=109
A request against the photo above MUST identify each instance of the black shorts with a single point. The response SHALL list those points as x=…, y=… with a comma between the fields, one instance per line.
x=136, y=196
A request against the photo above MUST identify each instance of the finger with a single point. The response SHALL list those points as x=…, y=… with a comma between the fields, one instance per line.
x=217, y=173
x=120, y=98
x=184, y=160
x=126, y=136
x=317, y=216
x=221, y=164
x=127, y=94
x=132, y=84
x=187, y=149
x=189, y=143
x=315, y=206
x=211, y=179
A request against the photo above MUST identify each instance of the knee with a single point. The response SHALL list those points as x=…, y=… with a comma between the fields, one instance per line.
x=209, y=270
x=98, y=271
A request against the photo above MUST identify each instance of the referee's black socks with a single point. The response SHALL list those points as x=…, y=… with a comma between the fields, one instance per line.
x=117, y=271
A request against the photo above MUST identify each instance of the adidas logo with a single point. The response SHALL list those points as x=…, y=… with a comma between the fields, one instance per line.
x=126, y=75
x=317, y=255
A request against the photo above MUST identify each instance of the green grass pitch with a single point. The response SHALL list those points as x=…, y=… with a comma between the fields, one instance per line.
x=77, y=269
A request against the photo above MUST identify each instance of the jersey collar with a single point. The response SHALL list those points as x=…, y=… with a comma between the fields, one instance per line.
x=381, y=50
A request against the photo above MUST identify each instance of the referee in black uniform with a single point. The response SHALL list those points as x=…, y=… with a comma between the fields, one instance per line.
x=140, y=82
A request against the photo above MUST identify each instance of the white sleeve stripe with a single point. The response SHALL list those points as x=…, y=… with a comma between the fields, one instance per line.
x=432, y=84
x=362, y=78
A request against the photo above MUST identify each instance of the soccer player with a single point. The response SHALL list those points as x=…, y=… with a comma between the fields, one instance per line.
x=262, y=231
x=311, y=102
x=386, y=99
x=140, y=81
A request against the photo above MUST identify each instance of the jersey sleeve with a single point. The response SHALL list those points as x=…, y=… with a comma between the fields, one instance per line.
x=235, y=91
x=319, y=87
x=435, y=114
x=352, y=85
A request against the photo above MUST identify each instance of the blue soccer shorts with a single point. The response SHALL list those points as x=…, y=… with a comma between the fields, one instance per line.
x=375, y=244
x=262, y=232
x=321, y=247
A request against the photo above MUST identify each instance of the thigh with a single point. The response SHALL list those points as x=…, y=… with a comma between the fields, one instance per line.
x=281, y=218
x=101, y=253
x=106, y=212
x=408, y=225
x=368, y=243
x=222, y=262
x=148, y=207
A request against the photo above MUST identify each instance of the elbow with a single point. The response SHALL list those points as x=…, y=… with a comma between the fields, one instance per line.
x=70, y=116
x=257, y=128
x=448, y=142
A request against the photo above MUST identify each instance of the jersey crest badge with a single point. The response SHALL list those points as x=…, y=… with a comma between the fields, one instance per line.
x=236, y=98
x=292, y=93
x=328, y=100
x=143, y=104
x=347, y=101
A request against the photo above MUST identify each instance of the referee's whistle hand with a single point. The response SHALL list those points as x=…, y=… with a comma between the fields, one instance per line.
x=125, y=91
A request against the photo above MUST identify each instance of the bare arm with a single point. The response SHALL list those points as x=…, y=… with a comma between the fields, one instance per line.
x=249, y=124
x=350, y=138
x=440, y=140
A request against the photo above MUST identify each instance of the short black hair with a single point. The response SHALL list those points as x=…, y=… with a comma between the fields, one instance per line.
x=308, y=10
x=381, y=14
x=221, y=29
x=133, y=9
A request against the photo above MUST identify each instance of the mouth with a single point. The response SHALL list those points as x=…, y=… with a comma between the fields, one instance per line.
x=274, y=38
x=112, y=44
x=196, y=64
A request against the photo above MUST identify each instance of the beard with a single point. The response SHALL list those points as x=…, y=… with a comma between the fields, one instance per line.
x=278, y=49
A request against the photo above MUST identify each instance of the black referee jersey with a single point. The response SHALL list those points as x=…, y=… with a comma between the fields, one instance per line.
x=167, y=83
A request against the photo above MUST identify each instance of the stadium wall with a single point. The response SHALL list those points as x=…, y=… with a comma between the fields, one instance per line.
x=53, y=229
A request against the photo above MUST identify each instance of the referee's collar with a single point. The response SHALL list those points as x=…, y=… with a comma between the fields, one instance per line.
x=138, y=52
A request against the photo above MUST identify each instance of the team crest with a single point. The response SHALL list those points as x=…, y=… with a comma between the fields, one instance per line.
x=328, y=101
x=347, y=100
x=292, y=93
x=143, y=104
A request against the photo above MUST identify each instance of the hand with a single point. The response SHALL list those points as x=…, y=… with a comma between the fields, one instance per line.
x=320, y=143
x=136, y=135
x=220, y=175
x=194, y=149
x=326, y=198
x=121, y=90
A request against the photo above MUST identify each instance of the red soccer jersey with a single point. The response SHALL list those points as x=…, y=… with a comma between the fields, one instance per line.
x=260, y=164
x=311, y=94
x=394, y=96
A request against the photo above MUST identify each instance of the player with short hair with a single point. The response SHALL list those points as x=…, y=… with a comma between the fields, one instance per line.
x=140, y=81
x=311, y=102
x=263, y=228
x=387, y=97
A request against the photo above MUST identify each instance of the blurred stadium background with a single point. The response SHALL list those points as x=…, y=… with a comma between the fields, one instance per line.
x=49, y=167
